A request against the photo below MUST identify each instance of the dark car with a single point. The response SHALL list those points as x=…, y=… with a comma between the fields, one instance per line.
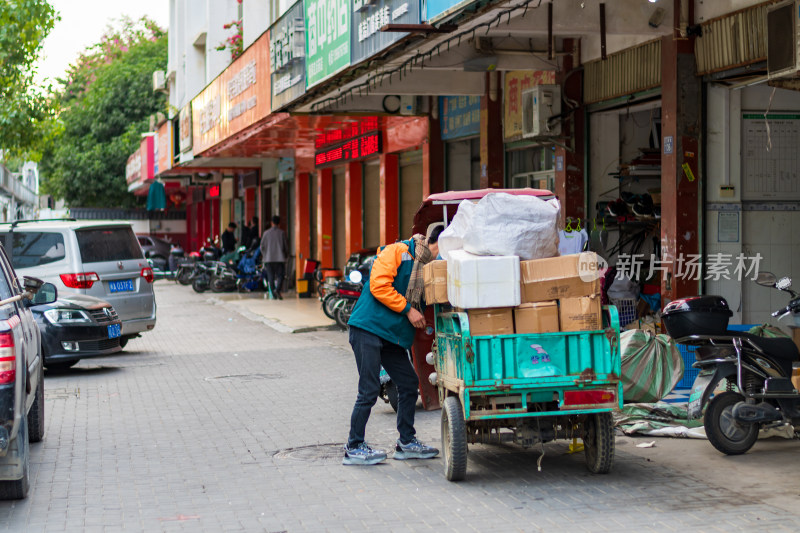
x=155, y=249
x=75, y=327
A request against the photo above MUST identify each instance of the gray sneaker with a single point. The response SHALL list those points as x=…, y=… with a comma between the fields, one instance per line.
x=414, y=450
x=362, y=455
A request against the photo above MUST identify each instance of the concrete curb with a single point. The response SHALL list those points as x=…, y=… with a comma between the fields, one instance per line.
x=274, y=324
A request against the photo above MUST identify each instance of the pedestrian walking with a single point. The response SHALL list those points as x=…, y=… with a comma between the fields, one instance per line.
x=229, y=239
x=382, y=329
x=274, y=251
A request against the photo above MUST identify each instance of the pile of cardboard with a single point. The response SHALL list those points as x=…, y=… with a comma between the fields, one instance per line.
x=555, y=294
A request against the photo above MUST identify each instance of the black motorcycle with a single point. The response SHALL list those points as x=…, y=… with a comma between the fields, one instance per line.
x=757, y=371
x=349, y=289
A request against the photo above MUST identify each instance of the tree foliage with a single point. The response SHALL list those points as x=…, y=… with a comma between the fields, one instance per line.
x=23, y=108
x=106, y=100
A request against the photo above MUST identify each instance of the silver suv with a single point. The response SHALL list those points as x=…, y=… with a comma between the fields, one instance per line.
x=98, y=258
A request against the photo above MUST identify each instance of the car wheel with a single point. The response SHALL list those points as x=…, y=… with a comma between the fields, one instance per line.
x=60, y=366
x=17, y=489
x=36, y=415
x=454, y=440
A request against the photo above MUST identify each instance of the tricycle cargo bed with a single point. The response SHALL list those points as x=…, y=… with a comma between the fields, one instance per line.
x=522, y=360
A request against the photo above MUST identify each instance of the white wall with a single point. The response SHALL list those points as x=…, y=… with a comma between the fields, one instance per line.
x=775, y=235
x=256, y=19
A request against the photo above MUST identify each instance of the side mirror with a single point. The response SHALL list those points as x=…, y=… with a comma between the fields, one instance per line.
x=46, y=294
x=766, y=279
x=31, y=284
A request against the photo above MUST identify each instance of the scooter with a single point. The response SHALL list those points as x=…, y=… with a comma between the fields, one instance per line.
x=757, y=371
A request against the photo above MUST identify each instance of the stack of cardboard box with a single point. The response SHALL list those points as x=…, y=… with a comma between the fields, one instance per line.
x=555, y=294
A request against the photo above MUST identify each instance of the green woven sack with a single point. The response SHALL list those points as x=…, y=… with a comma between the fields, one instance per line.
x=770, y=332
x=651, y=366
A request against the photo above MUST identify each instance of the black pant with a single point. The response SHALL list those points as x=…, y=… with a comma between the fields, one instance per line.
x=371, y=352
x=275, y=271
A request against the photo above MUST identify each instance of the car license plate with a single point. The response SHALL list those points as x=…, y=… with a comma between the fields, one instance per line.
x=124, y=285
x=114, y=331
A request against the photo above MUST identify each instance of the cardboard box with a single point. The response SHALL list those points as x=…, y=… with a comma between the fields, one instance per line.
x=435, y=276
x=494, y=321
x=581, y=314
x=539, y=317
x=568, y=276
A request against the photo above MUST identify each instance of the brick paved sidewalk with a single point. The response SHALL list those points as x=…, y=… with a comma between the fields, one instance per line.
x=214, y=422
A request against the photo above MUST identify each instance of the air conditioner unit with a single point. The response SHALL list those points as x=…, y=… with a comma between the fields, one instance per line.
x=539, y=103
x=783, y=26
x=159, y=81
x=543, y=179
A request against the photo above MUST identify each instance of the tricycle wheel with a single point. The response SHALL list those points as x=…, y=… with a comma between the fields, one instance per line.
x=598, y=442
x=454, y=440
x=392, y=395
x=723, y=431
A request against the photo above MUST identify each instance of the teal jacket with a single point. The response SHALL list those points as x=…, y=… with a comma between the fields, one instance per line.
x=381, y=309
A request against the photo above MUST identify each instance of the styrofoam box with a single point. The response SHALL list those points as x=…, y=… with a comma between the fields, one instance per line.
x=475, y=281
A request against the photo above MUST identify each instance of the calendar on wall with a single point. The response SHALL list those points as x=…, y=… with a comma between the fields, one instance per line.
x=770, y=158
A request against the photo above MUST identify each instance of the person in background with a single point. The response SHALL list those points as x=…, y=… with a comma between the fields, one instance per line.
x=229, y=239
x=382, y=329
x=274, y=251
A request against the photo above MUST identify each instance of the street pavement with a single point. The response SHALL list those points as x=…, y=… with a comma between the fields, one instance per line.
x=216, y=422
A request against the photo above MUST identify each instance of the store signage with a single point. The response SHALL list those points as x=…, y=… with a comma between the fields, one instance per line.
x=185, y=124
x=517, y=81
x=163, y=148
x=351, y=150
x=327, y=38
x=141, y=166
x=439, y=9
x=236, y=99
x=213, y=191
x=287, y=52
x=460, y=116
x=330, y=138
x=366, y=37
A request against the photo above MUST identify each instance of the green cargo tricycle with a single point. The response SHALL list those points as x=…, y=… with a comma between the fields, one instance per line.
x=526, y=388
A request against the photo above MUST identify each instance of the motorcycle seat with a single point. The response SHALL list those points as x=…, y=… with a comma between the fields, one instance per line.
x=779, y=347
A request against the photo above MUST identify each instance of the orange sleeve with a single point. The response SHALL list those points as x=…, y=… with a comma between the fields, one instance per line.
x=384, y=270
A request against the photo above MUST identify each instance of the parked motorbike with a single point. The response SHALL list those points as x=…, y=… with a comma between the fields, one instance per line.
x=347, y=293
x=201, y=276
x=349, y=289
x=757, y=371
x=222, y=278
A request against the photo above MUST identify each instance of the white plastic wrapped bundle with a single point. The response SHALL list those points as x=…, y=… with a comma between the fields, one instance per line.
x=504, y=224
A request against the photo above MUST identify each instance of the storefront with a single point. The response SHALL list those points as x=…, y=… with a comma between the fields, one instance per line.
x=460, y=126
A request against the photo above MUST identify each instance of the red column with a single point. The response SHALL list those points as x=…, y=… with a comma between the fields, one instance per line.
x=433, y=158
x=492, y=149
x=352, y=209
x=680, y=176
x=325, y=216
x=569, y=182
x=390, y=208
x=302, y=218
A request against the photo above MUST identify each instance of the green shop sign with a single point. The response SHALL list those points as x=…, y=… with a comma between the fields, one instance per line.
x=327, y=38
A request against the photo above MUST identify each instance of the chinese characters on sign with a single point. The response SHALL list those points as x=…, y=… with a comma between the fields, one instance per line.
x=718, y=266
x=460, y=116
x=368, y=18
x=209, y=115
x=351, y=150
x=327, y=38
x=287, y=54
